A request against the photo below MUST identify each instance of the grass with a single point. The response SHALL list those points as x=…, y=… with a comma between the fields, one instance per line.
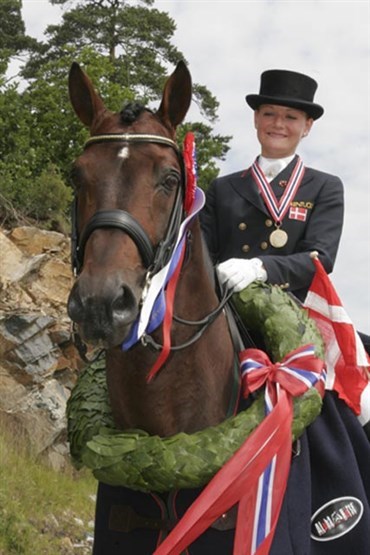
x=42, y=512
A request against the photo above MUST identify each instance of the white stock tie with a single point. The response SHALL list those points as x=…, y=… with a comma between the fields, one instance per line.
x=272, y=171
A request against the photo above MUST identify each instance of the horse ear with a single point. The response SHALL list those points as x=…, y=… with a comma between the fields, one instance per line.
x=176, y=96
x=85, y=101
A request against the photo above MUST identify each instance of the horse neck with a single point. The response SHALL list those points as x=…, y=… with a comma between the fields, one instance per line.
x=196, y=279
x=194, y=387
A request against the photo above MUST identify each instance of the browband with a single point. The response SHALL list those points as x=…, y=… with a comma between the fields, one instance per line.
x=131, y=138
x=120, y=219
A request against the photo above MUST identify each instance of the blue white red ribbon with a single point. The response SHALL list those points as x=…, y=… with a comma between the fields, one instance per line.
x=298, y=372
x=154, y=304
x=278, y=209
x=255, y=477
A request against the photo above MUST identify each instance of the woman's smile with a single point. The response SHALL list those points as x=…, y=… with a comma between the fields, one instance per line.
x=280, y=129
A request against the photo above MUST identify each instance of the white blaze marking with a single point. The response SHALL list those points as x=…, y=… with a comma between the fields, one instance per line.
x=124, y=153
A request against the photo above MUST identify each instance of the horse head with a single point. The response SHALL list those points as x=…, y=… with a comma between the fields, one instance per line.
x=128, y=185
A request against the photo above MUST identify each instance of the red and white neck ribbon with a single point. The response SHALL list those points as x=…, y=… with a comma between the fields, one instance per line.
x=278, y=208
x=255, y=477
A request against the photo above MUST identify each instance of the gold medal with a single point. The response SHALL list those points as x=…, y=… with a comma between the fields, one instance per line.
x=278, y=238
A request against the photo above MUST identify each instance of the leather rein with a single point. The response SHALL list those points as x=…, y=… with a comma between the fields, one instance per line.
x=154, y=258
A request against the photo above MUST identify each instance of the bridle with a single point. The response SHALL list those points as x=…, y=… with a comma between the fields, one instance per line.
x=154, y=258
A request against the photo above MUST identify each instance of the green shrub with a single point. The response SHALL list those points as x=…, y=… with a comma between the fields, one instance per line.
x=44, y=199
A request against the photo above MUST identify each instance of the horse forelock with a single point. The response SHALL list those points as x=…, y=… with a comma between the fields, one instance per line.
x=131, y=111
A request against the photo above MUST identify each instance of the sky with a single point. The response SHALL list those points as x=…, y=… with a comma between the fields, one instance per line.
x=229, y=43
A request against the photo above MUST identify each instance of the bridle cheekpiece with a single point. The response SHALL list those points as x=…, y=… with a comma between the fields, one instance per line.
x=154, y=258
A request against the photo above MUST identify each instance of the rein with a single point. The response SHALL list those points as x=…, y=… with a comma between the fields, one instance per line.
x=147, y=340
x=154, y=258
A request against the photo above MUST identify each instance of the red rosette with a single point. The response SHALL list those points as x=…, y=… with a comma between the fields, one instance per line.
x=190, y=170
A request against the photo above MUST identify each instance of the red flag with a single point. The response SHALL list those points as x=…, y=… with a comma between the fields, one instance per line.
x=347, y=362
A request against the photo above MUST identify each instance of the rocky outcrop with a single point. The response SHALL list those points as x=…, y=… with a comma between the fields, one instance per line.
x=38, y=362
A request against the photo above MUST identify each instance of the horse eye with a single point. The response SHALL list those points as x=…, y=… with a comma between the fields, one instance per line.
x=171, y=181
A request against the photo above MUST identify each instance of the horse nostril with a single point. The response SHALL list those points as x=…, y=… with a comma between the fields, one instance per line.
x=124, y=306
x=75, y=308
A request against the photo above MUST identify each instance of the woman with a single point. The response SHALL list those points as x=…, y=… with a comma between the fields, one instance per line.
x=263, y=222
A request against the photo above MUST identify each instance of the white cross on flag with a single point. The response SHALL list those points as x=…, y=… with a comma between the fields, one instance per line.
x=296, y=213
x=347, y=362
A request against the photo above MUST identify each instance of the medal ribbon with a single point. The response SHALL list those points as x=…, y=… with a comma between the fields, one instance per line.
x=278, y=209
x=256, y=475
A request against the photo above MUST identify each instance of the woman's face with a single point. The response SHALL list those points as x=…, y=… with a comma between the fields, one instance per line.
x=280, y=129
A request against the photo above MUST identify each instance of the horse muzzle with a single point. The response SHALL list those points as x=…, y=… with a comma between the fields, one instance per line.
x=103, y=314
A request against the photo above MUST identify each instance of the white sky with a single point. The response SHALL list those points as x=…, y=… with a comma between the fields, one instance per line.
x=228, y=43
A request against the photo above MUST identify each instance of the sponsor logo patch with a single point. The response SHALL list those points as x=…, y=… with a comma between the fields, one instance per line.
x=336, y=518
x=302, y=204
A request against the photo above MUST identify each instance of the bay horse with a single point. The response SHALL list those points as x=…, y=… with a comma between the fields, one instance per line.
x=131, y=201
x=130, y=187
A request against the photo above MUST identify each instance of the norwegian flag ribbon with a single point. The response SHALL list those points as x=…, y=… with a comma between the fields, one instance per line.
x=167, y=320
x=346, y=360
x=256, y=475
x=157, y=304
x=297, y=372
x=278, y=209
x=154, y=304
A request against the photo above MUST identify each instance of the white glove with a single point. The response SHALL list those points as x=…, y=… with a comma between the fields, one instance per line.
x=238, y=273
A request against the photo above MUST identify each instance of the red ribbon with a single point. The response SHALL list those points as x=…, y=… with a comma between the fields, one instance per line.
x=167, y=321
x=228, y=486
x=276, y=372
x=237, y=481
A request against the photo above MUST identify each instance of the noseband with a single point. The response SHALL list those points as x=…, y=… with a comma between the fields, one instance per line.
x=153, y=258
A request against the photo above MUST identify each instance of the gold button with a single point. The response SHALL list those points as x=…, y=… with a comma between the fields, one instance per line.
x=242, y=226
x=245, y=248
x=264, y=245
x=268, y=223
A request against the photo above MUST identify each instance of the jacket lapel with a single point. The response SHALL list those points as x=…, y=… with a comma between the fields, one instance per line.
x=246, y=187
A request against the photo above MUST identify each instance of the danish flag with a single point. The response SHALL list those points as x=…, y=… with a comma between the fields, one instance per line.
x=347, y=362
x=296, y=213
x=255, y=477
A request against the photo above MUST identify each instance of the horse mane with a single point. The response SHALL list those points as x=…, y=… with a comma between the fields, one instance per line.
x=131, y=111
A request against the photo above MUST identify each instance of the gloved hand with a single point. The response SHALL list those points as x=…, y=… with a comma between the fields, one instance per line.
x=238, y=273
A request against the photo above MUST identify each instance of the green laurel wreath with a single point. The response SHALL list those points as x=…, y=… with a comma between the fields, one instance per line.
x=149, y=463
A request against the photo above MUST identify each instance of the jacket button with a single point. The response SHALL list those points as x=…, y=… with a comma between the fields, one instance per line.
x=242, y=226
x=264, y=245
x=268, y=222
x=245, y=248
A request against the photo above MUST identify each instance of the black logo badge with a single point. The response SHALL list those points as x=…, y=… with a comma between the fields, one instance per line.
x=336, y=518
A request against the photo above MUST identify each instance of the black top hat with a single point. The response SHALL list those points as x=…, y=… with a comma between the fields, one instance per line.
x=287, y=88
